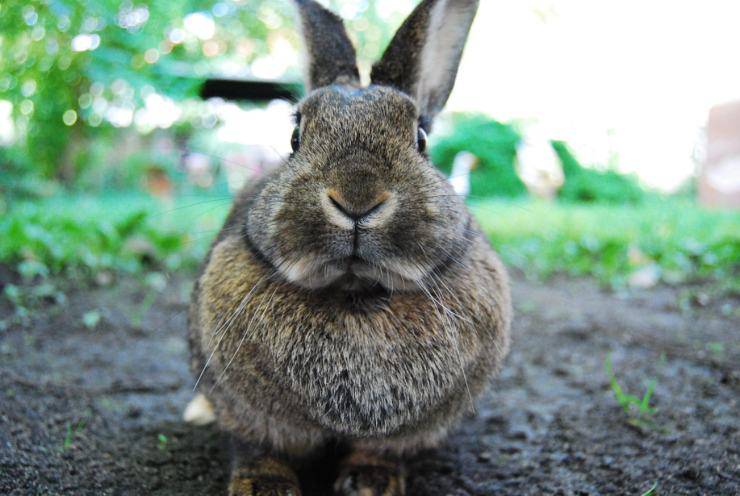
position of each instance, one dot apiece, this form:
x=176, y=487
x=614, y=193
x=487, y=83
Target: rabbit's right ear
x=423, y=56
x=331, y=56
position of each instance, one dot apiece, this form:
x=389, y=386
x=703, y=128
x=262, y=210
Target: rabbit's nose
x=347, y=213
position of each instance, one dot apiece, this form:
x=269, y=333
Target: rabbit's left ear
x=331, y=56
x=423, y=56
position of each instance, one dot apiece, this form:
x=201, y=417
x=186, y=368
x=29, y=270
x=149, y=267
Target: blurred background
x=596, y=139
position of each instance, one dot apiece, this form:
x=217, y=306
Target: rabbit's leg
x=256, y=472
x=364, y=473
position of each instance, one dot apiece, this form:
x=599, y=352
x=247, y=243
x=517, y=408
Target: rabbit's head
x=358, y=202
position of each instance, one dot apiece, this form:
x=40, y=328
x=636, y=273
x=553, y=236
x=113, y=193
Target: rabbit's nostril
x=336, y=201
x=356, y=212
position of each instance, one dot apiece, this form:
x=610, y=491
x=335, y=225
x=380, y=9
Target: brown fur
x=403, y=66
x=385, y=371
x=349, y=296
x=332, y=54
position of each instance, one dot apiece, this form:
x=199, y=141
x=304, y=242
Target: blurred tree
x=589, y=185
x=77, y=69
x=494, y=143
x=70, y=66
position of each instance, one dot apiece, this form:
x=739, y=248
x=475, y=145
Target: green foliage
x=637, y=409
x=494, y=143
x=45, y=77
x=628, y=402
x=651, y=490
x=17, y=181
x=84, y=236
x=70, y=67
x=72, y=431
x=587, y=185
x=74, y=70
x=610, y=242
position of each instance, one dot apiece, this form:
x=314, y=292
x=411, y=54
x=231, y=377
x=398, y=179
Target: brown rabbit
x=350, y=297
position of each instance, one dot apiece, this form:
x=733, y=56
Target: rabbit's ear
x=423, y=56
x=331, y=56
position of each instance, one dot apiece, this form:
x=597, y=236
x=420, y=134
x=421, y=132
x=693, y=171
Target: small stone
x=104, y=278
x=644, y=278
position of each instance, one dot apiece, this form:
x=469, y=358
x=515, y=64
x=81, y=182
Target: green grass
x=638, y=408
x=86, y=235
x=72, y=431
x=651, y=490
x=677, y=240
x=116, y=232
x=162, y=441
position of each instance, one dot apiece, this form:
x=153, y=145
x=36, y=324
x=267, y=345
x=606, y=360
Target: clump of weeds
x=638, y=409
x=72, y=431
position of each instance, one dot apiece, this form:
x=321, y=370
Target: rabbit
x=350, y=298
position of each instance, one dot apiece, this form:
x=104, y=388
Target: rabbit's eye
x=421, y=140
x=295, y=139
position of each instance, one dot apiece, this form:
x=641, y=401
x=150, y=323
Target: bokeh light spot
x=69, y=117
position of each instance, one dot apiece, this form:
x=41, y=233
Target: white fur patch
x=199, y=411
x=310, y=271
x=383, y=213
x=394, y=275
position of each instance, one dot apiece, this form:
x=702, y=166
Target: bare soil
x=98, y=410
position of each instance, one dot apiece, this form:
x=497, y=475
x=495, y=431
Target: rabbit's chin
x=353, y=274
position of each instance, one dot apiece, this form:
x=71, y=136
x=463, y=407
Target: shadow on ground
x=97, y=411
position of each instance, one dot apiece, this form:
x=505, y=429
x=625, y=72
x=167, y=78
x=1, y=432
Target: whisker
x=244, y=336
x=249, y=167
x=238, y=311
x=224, y=199
x=437, y=304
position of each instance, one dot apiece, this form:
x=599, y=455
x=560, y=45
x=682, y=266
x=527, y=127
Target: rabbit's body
x=350, y=297
x=295, y=368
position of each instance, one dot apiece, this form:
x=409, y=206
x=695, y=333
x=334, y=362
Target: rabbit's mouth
x=353, y=273
x=359, y=274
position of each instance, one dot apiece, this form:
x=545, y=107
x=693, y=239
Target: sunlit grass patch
x=671, y=241
x=116, y=232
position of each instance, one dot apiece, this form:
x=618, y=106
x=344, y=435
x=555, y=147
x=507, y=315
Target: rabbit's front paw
x=262, y=486
x=363, y=474
x=266, y=478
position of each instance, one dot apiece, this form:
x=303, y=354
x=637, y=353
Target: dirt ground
x=97, y=410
